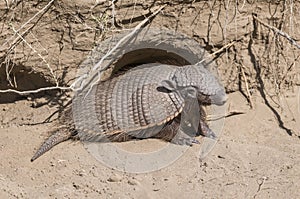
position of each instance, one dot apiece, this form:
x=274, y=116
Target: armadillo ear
x=166, y=86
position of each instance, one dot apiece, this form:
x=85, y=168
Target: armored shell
x=138, y=103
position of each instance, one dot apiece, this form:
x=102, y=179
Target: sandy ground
x=253, y=158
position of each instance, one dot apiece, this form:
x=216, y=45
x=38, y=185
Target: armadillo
x=146, y=101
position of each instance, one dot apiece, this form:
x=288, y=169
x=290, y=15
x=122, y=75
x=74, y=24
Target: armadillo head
x=219, y=98
x=207, y=86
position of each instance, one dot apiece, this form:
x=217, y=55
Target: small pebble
x=132, y=182
x=76, y=186
x=115, y=178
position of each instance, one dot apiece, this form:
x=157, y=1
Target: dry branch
x=44, y=60
x=217, y=52
x=247, y=86
x=113, y=10
x=219, y=117
x=283, y=34
x=96, y=70
x=34, y=91
x=39, y=12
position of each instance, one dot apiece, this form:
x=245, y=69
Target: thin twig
x=48, y=66
x=35, y=91
x=217, y=52
x=27, y=22
x=218, y=117
x=113, y=12
x=96, y=70
x=223, y=48
x=247, y=86
x=18, y=40
x=8, y=71
x=139, y=26
x=285, y=35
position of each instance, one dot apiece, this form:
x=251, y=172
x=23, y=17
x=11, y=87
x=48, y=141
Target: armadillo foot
x=183, y=139
x=206, y=131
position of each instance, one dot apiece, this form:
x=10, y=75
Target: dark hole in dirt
x=22, y=79
x=147, y=55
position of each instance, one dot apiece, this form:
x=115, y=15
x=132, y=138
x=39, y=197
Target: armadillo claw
x=206, y=131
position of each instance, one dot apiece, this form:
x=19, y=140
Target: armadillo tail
x=59, y=136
